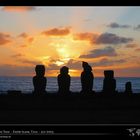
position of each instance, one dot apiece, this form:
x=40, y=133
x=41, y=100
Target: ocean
x=25, y=84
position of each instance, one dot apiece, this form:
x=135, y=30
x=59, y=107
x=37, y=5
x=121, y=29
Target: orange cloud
x=18, y=8
x=131, y=45
x=57, y=32
x=30, y=62
x=30, y=40
x=23, y=46
x=137, y=49
x=91, y=37
x=24, y=35
x=17, y=55
x=27, y=37
x=4, y=38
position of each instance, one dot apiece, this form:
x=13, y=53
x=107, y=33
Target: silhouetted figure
x=128, y=88
x=39, y=81
x=64, y=80
x=87, y=78
x=109, y=83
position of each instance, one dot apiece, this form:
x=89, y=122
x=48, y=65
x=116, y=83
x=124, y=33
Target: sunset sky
x=105, y=37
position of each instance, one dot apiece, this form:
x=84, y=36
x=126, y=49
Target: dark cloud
x=57, y=32
x=116, y=25
x=4, y=38
x=131, y=45
x=104, y=38
x=110, y=38
x=53, y=67
x=108, y=51
x=18, y=8
x=107, y=62
x=73, y=64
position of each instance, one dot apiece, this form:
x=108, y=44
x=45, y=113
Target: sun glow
x=74, y=73
x=63, y=53
x=59, y=63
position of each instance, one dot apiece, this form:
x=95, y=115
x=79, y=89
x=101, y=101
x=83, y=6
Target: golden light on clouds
x=59, y=63
x=67, y=48
x=18, y=8
x=55, y=50
x=74, y=73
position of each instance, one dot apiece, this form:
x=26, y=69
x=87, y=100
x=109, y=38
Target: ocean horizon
x=24, y=83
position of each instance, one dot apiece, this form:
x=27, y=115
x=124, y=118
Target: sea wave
x=25, y=84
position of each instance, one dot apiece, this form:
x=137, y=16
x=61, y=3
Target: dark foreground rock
x=74, y=108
